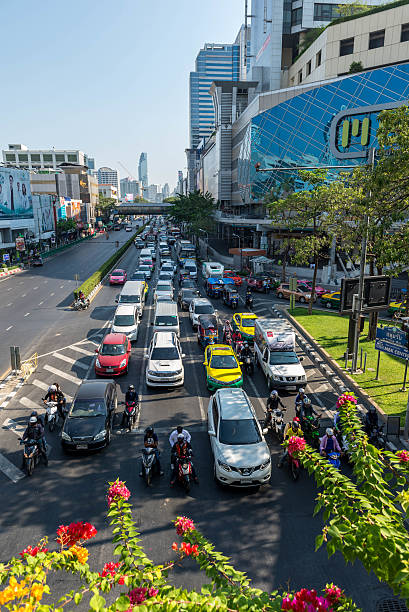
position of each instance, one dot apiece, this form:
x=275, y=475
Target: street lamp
x=241, y=250
x=207, y=240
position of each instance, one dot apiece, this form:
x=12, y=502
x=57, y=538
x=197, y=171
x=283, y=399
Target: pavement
x=268, y=532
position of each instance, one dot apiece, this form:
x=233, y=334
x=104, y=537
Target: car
x=306, y=285
x=241, y=457
x=117, y=227
x=167, y=267
x=146, y=269
x=126, y=321
x=147, y=261
x=139, y=243
x=138, y=275
x=197, y=307
x=113, y=355
x=331, y=300
x=37, y=260
x=165, y=276
x=128, y=228
x=284, y=291
x=233, y=275
x=164, y=251
x=167, y=260
x=244, y=322
x=165, y=366
x=164, y=297
x=118, y=277
x=188, y=284
x=222, y=367
x=185, y=297
x=88, y=425
x=163, y=287
x=396, y=307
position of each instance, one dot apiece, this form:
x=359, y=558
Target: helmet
x=329, y=431
x=181, y=437
x=307, y=401
x=246, y=344
x=33, y=419
x=296, y=420
x=149, y=430
x=131, y=388
x=34, y=414
x=301, y=390
x=52, y=388
x=274, y=393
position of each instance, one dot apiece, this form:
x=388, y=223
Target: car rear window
x=131, y=298
x=239, y=431
x=166, y=320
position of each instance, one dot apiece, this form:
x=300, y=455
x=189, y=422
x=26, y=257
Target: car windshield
x=188, y=295
x=117, y=273
x=144, y=268
x=139, y=275
x=167, y=268
x=166, y=320
x=88, y=408
x=283, y=358
x=190, y=268
x=248, y=322
x=204, y=309
x=188, y=284
x=112, y=349
x=131, y=298
x=165, y=352
x=163, y=287
x=240, y=431
x=124, y=320
x=223, y=362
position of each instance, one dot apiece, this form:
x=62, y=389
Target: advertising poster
x=44, y=212
x=20, y=244
x=61, y=209
x=15, y=194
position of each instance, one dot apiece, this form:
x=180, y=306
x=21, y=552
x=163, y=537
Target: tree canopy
x=195, y=210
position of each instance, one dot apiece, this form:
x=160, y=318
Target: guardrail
x=28, y=366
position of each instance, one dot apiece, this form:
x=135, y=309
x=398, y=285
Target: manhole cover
x=391, y=605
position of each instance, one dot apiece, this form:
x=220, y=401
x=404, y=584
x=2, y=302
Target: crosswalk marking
x=77, y=364
x=40, y=384
x=28, y=403
x=10, y=470
x=14, y=427
x=81, y=350
x=73, y=379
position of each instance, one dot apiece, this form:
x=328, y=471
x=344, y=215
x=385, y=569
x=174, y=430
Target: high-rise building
x=108, y=176
x=20, y=156
x=179, y=185
x=165, y=191
x=243, y=40
x=152, y=192
x=143, y=170
x=129, y=185
x=214, y=61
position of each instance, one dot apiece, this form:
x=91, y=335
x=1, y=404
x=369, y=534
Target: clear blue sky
x=110, y=77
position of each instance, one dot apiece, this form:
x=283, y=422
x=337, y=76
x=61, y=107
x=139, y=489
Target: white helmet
x=274, y=392
x=301, y=390
x=52, y=388
x=33, y=419
x=329, y=431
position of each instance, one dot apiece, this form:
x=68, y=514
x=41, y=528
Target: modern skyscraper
x=214, y=61
x=129, y=185
x=143, y=170
x=108, y=176
x=165, y=191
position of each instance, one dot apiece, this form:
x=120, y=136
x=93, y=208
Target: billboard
x=129, y=197
x=15, y=194
x=44, y=212
x=376, y=293
x=61, y=209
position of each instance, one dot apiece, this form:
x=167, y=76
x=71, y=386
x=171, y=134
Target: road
x=34, y=303
x=268, y=533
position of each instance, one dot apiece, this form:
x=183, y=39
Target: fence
x=29, y=366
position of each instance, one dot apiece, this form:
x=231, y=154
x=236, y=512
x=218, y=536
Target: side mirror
x=265, y=431
x=116, y=300
x=146, y=356
x=151, y=322
x=212, y=433
x=301, y=358
x=183, y=355
x=97, y=350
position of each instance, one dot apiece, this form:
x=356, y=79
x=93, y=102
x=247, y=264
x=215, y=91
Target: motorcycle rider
x=291, y=429
x=371, y=420
x=150, y=440
x=130, y=397
x=329, y=443
x=82, y=298
x=182, y=448
x=273, y=402
x=54, y=394
x=299, y=401
x=174, y=435
x=307, y=410
x=35, y=431
x=249, y=296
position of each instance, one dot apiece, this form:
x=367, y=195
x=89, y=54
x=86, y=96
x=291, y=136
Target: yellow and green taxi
x=146, y=286
x=331, y=300
x=222, y=367
x=395, y=307
x=244, y=322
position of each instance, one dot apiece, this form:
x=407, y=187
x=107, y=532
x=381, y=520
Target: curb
x=12, y=393
x=2, y=274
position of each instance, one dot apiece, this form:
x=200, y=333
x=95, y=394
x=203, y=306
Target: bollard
x=360, y=362
x=18, y=358
x=13, y=358
x=366, y=355
x=346, y=359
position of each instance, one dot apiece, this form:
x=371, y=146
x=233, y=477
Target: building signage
x=393, y=341
x=15, y=194
x=6, y=257
x=20, y=244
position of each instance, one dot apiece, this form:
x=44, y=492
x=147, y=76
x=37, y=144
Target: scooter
x=334, y=459
x=81, y=304
x=149, y=465
x=184, y=472
x=130, y=412
x=377, y=437
x=276, y=423
x=51, y=416
x=31, y=455
x=248, y=365
x=311, y=431
x=249, y=300
x=294, y=466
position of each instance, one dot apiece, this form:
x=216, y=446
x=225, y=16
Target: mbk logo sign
x=351, y=130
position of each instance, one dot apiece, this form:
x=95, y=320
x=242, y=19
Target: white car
x=163, y=288
x=197, y=307
x=165, y=366
x=240, y=452
x=126, y=321
x=128, y=228
x=167, y=267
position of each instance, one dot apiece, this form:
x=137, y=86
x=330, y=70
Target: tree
x=355, y=67
x=171, y=199
x=106, y=203
x=308, y=38
x=354, y=8
x=66, y=225
x=195, y=210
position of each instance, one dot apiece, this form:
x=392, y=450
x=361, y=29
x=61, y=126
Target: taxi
x=244, y=322
x=222, y=367
x=331, y=300
x=396, y=307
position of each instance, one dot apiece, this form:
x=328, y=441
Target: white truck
x=274, y=348
x=212, y=269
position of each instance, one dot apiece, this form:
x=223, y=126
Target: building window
x=325, y=12
x=346, y=46
x=318, y=59
x=300, y=76
x=59, y=158
x=10, y=157
x=296, y=16
x=71, y=157
x=47, y=157
x=35, y=157
x=23, y=157
x=404, y=33
x=376, y=39
x=308, y=68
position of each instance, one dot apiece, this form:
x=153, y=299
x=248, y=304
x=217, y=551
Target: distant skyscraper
x=165, y=191
x=129, y=185
x=214, y=61
x=179, y=186
x=108, y=176
x=152, y=192
x=143, y=170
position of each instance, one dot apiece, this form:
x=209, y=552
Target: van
x=190, y=266
x=166, y=318
x=212, y=269
x=145, y=253
x=126, y=321
x=274, y=350
x=133, y=292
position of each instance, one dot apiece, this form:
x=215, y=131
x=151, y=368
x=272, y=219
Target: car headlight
x=97, y=363
x=176, y=372
x=65, y=436
x=151, y=372
x=264, y=465
x=123, y=363
x=101, y=435
x=224, y=466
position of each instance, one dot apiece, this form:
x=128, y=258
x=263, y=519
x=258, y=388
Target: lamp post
x=241, y=251
x=207, y=240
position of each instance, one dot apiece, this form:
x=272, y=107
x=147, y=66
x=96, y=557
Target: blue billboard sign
x=393, y=341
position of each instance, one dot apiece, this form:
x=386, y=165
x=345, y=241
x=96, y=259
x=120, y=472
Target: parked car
x=113, y=355
x=88, y=425
x=240, y=452
x=284, y=291
x=165, y=367
x=118, y=277
x=331, y=300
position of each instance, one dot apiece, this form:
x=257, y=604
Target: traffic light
x=257, y=166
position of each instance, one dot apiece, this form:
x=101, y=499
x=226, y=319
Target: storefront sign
x=20, y=244
x=6, y=257
x=393, y=341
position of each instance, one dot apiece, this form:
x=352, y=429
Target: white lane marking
x=10, y=288
x=19, y=430
x=70, y=361
x=10, y=470
x=11, y=304
x=44, y=387
x=27, y=314
x=143, y=367
x=91, y=342
x=24, y=295
x=80, y=350
x=52, y=293
x=8, y=329
x=34, y=288
x=57, y=372
x=21, y=282
x=28, y=403
x=45, y=282
x=188, y=340
x=40, y=303
x=61, y=286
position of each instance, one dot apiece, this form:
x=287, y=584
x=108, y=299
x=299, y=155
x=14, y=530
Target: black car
x=88, y=425
x=189, y=284
x=185, y=296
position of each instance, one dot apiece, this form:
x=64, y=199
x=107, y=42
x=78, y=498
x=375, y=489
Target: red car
x=117, y=277
x=234, y=276
x=113, y=355
x=306, y=285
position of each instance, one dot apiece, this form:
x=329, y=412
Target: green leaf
x=77, y=598
x=97, y=602
x=122, y=603
x=331, y=548
x=319, y=541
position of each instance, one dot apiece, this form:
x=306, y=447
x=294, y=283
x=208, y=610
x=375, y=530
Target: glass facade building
x=143, y=170
x=213, y=62
x=329, y=125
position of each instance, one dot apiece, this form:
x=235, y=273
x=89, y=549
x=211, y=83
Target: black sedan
x=88, y=425
x=189, y=284
x=185, y=296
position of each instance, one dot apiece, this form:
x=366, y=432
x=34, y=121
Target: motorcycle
x=377, y=437
x=130, y=412
x=31, y=455
x=184, y=472
x=249, y=301
x=149, y=465
x=276, y=423
x=248, y=365
x=51, y=416
x=311, y=431
x=81, y=304
x=294, y=466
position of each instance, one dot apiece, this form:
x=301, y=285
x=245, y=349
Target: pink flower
x=403, y=456
x=117, y=491
x=346, y=397
x=33, y=551
x=295, y=444
x=183, y=525
x=137, y=596
x=333, y=593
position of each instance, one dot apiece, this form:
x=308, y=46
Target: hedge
x=94, y=280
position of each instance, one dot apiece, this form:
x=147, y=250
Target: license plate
x=82, y=446
x=109, y=369
x=244, y=481
x=291, y=387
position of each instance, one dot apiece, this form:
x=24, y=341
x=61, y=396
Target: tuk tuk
x=213, y=287
x=207, y=332
x=230, y=296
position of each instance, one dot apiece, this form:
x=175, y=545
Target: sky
x=110, y=78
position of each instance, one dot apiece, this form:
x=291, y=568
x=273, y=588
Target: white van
x=212, y=269
x=190, y=266
x=133, y=292
x=274, y=350
x=126, y=321
x=166, y=318
x=145, y=253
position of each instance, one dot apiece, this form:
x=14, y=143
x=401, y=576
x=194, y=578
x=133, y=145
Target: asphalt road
x=269, y=532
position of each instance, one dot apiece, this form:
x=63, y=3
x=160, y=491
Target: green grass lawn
x=331, y=331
